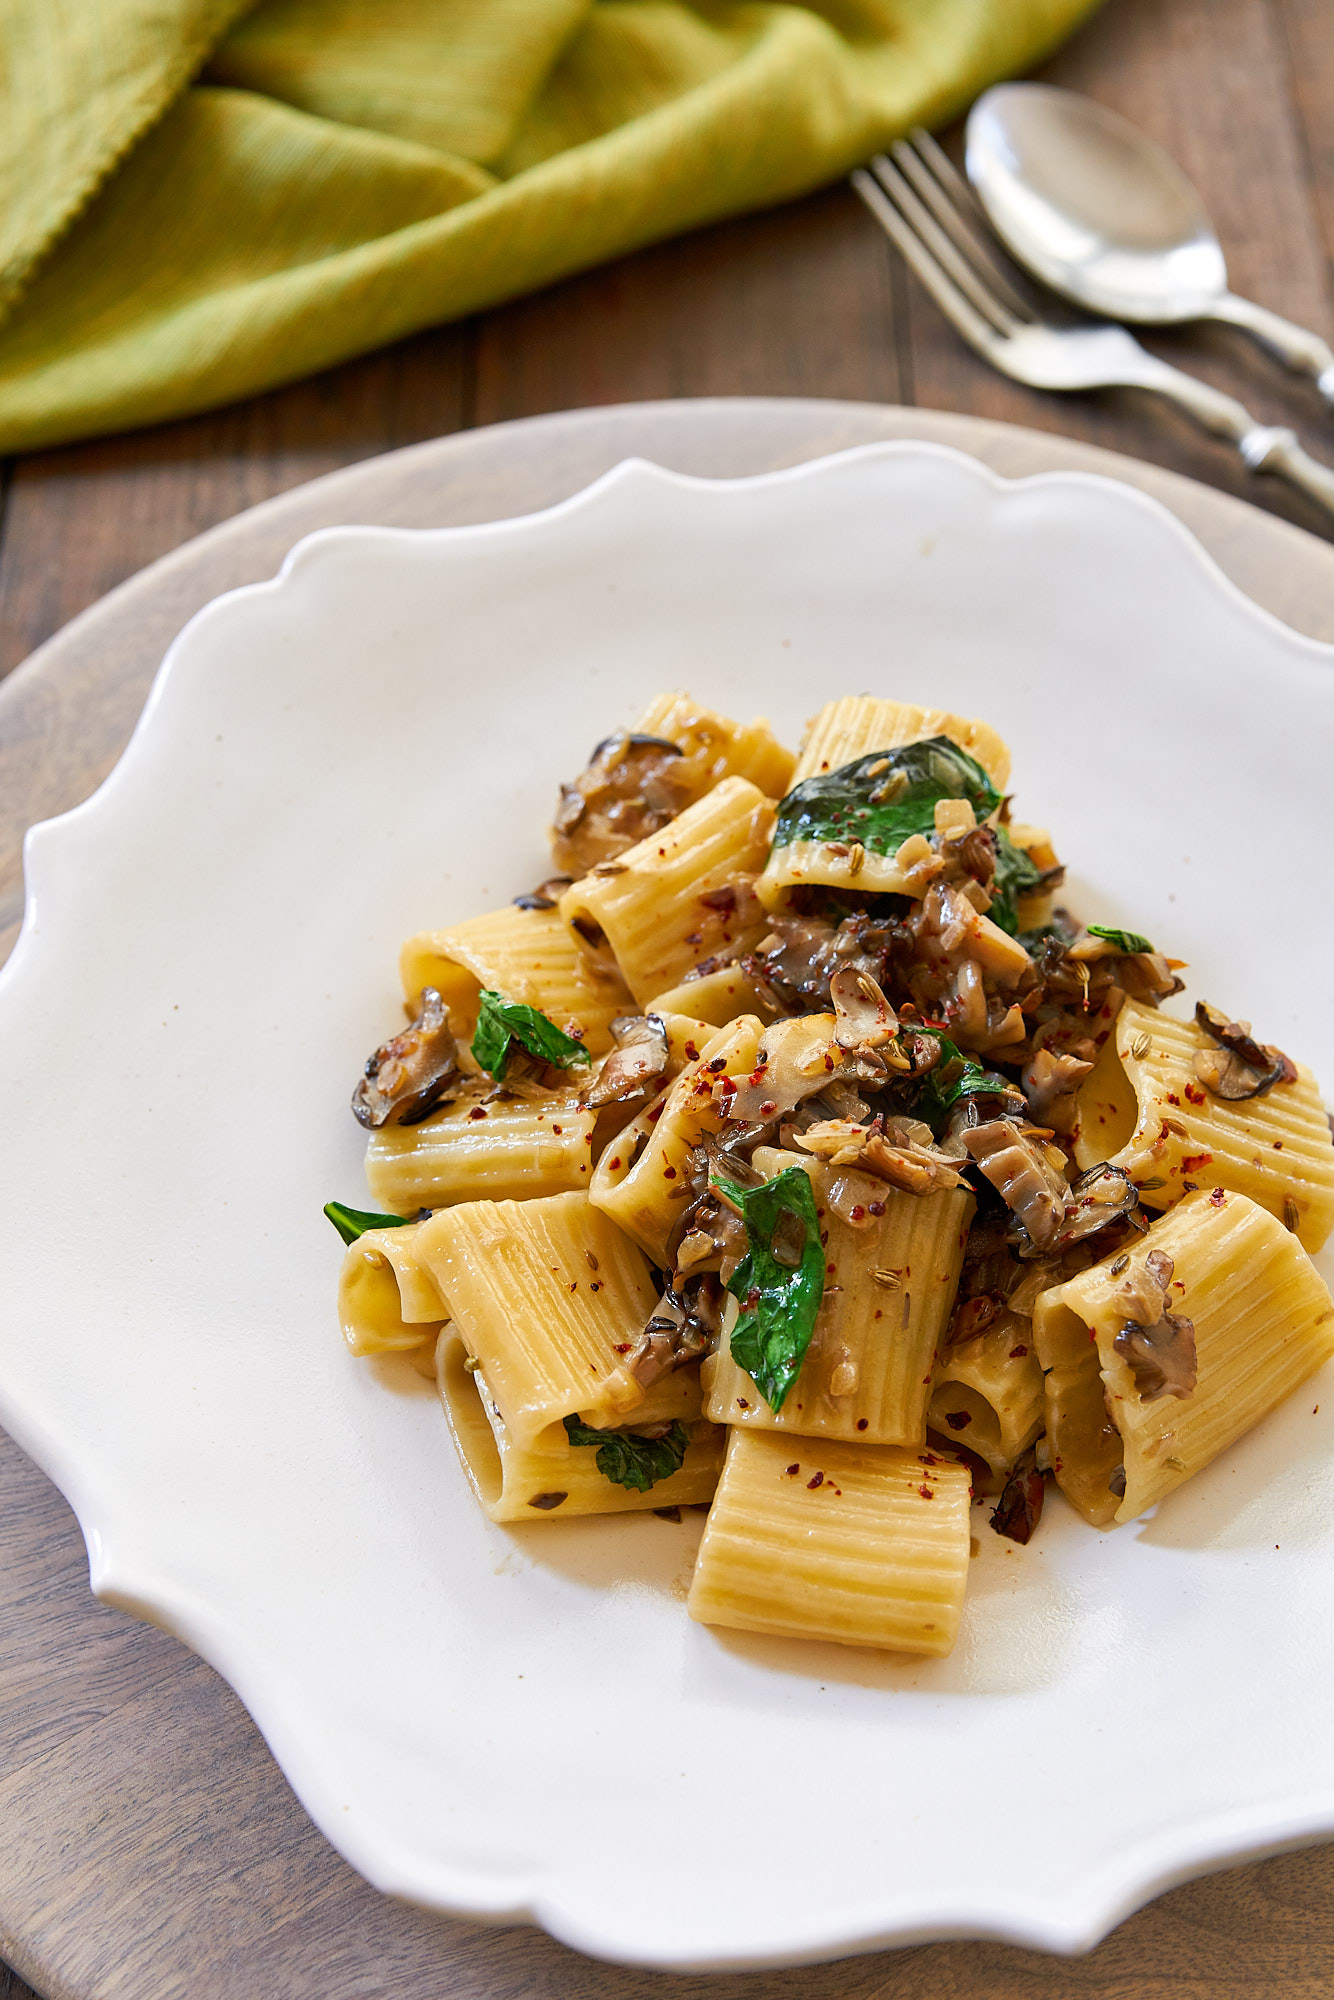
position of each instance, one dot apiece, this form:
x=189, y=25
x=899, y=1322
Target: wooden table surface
x=807, y=301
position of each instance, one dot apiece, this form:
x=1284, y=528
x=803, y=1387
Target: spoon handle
x=1269, y=448
x=1298, y=348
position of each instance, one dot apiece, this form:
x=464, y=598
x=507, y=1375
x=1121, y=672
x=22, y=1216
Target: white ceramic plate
x=524, y=1723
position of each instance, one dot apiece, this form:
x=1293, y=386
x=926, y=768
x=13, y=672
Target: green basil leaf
x=779, y=1302
x=501, y=1022
x=629, y=1458
x=1126, y=941
x=1017, y=874
x=354, y=1222
x=882, y=798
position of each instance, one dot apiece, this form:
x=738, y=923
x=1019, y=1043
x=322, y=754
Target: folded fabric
x=202, y=198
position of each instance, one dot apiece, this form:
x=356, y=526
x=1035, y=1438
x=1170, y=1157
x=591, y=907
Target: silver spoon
x=1104, y=217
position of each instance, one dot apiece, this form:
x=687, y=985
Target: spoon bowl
x=1105, y=217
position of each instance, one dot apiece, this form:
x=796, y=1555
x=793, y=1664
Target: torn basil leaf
x=354, y=1222
x=779, y=1300
x=502, y=1022
x=882, y=798
x=1126, y=941
x=1017, y=874
x=631, y=1458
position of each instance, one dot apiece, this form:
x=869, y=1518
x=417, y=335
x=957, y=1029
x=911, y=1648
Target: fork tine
x=956, y=307
x=929, y=231
x=958, y=211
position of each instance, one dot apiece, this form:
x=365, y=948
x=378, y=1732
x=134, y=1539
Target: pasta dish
x=794, y=1152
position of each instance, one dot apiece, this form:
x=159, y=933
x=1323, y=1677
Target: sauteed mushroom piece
x=628, y=791
x=1239, y=1067
x=406, y=1078
x=640, y=1056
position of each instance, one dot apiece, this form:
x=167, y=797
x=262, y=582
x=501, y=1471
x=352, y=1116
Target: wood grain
x=150, y=1847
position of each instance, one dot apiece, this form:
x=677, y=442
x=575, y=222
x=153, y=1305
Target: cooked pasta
x=793, y=1152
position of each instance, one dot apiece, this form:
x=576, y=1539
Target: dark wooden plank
x=77, y=521
x=1309, y=26
x=1212, y=81
x=784, y=304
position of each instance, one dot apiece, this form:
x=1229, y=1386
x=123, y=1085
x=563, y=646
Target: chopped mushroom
x=1017, y=1166
x=1102, y=1195
x=641, y=1056
x=795, y=1060
x=406, y=1078
x=1159, y=1346
x=863, y=1018
x=1162, y=1357
x=1050, y=1082
x=1239, y=1067
x=1019, y=1508
x=897, y=1150
x=669, y=1341
x=629, y=790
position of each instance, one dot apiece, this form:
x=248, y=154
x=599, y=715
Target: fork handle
x=1296, y=346
x=1269, y=448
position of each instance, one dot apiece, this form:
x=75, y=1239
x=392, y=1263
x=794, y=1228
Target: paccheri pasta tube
x=792, y=1150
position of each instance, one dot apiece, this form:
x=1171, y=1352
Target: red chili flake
x=817, y=1480
x=1018, y=1353
x=1194, y=1095
x=757, y=1076
x=694, y=937
x=958, y=1420
x=656, y=1111
x=927, y=1492
x=1278, y=1145
x=927, y=1458
x=662, y=850
x=875, y=1208
x=1172, y=1098
x=878, y=1313
x=729, y=1086
x=557, y=1129
x=617, y=1161
x=718, y=1063
x=858, y=1212
x=768, y=1108
x=478, y=1111
x=669, y=1173
x=574, y=1285
x=621, y=1346
x=1189, y=1187
x=1217, y=1198
x=595, y=1286
x=692, y=1053
x=1093, y=1339
x=862, y=1423
x=824, y=1239
x=1192, y=1162
x=741, y=1403
x=792, y=1471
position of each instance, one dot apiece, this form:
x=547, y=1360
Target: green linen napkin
x=200, y=199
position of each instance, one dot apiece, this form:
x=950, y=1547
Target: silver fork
x=925, y=205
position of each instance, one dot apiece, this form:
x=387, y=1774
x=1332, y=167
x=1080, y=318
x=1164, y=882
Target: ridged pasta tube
x=532, y=957
x=994, y=1384
x=387, y=1300
x=504, y=1149
x=1263, y=1321
x=652, y=903
x=858, y=724
x=1144, y=1109
x=889, y=1292
x=863, y=1544
x=641, y=1181
x=713, y=747
x=548, y=1296
x=545, y=1477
